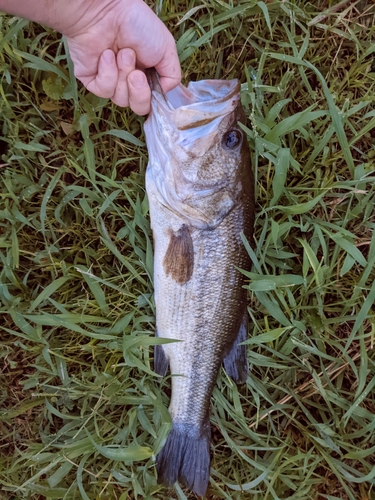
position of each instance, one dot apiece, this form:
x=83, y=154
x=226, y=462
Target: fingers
x=132, y=87
x=126, y=64
x=104, y=83
x=139, y=93
x=169, y=68
x=118, y=79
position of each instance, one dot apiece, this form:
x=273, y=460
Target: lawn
x=82, y=414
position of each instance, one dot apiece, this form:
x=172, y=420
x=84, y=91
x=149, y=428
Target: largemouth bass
x=200, y=189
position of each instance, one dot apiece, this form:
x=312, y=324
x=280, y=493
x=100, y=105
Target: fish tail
x=185, y=458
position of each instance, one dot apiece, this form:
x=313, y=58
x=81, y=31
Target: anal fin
x=235, y=362
x=161, y=362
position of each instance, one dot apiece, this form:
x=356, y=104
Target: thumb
x=139, y=92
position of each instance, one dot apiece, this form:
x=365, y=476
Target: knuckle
x=99, y=91
x=127, y=56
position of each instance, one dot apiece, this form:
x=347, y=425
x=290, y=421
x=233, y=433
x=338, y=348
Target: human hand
x=111, y=41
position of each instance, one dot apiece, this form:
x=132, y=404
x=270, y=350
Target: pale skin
x=110, y=42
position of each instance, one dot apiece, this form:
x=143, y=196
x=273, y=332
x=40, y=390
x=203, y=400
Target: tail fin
x=185, y=458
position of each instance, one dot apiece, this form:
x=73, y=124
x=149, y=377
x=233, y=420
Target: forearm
x=61, y=15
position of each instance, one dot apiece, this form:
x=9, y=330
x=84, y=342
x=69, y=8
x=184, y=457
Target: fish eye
x=232, y=139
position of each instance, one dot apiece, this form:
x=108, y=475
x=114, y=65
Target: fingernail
x=108, y=56
x=137, y=79
x=127, y=57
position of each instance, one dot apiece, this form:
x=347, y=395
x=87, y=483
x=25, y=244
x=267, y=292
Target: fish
x=200, y=189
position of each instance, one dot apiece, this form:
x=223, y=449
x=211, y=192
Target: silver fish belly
x=200, y=188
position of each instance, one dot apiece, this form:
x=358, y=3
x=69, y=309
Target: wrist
x=71, y=17
x=62, y=15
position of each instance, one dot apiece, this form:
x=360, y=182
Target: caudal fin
x=185, y=458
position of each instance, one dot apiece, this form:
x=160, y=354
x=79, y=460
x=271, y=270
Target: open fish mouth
x=197, y=105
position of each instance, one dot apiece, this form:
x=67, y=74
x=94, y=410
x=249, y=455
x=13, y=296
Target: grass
x=81, y=412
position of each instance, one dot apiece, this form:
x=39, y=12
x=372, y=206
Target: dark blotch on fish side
x=179, y=259
x=185, y=457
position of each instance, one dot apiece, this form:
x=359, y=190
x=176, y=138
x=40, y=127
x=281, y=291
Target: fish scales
x=200, y=189
x=207, y=310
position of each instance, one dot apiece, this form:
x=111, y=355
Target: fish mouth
x=181, y=129
x=198, y=104
x=154, y=82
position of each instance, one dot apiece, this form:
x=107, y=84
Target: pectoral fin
x=235, y=362
x=179, y=259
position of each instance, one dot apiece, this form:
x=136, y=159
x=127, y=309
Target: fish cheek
x=179, y=258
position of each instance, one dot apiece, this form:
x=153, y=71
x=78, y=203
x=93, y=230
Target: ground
x=81, y=412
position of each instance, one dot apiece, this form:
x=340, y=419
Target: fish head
x=197, y=151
